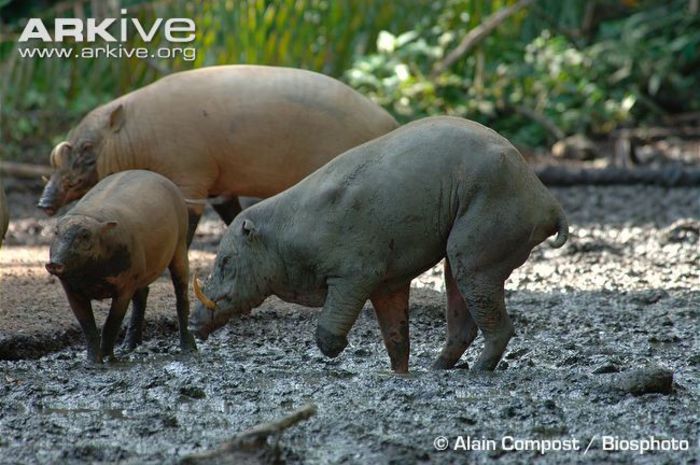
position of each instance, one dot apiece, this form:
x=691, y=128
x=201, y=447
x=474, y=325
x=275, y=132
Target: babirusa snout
x=55, y=268
x=51, y=198
x=206, y=301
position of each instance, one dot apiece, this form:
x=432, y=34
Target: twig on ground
x=246, y=446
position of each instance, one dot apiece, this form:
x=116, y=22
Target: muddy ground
x=623, y=294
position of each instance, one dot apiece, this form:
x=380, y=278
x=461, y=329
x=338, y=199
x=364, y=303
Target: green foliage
x=42, y=98
x=655, y=52
x=635, y=69
x=635, y=66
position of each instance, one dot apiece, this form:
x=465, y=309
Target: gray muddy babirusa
x=112, y=244
x=367, y=223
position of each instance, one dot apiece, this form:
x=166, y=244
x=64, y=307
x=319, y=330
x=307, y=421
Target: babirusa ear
x=248, y=228
x=116, y=118
x=108, y=226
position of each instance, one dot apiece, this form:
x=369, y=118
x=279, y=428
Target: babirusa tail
x=562, y=230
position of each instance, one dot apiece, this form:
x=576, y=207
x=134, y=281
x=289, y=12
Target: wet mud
x=606, y=344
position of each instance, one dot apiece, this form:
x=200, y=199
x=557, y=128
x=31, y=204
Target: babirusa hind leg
x=480, y=272
x=461, y=327
x=392, y=315
x=134, y=335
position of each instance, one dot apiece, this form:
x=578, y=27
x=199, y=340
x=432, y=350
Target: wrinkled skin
x=364, y=225
x=4, y=214
x=112, y=244
x=223, y=131
x=235, y=286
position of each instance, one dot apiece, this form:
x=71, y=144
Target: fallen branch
x=667, y=177
x=655, y=133
x=674, y=120
x=246, y=446
x=479, y=33
x=24, y=170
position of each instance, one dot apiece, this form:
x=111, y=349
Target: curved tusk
x=45, y=179
x=206, y=301
x=58, y=154
x=52, y=159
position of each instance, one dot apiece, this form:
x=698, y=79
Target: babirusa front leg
x=194, y=213
x=113, y=324
x=134, y=335
x=82, y=309
x=227, y=210
x=179, y=272
x=344, y=302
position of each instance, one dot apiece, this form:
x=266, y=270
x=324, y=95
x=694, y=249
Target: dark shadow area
x=35, y=318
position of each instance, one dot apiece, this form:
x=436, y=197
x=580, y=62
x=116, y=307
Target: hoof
x=400, y=370
x=130, y=345
x=441, y=364
x=188, y=344
x=483, y=367
x=94, y=358
x=399, y=365
x=330, y=344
